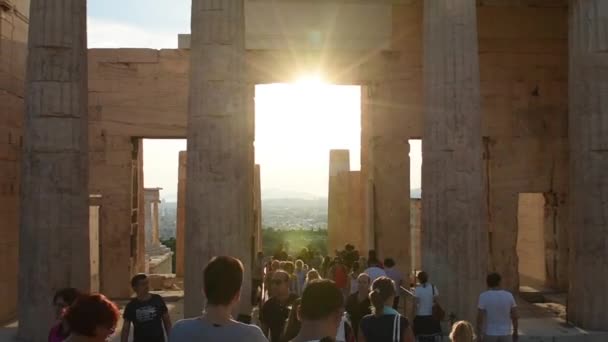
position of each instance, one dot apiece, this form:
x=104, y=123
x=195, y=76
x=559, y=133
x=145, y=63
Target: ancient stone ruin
x=508, y=97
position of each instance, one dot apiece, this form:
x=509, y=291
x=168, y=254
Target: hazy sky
x=296, y=125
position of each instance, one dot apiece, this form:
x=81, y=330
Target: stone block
x=497, y=22
x=160, y=282
x=138, y=56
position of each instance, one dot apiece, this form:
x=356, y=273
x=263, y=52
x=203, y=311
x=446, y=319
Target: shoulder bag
x=438, y=312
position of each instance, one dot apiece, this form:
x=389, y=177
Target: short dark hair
x=136, y=278
x=389, y=262
x=320, y=299
x=423, y=277
x=90, y=311
x=286, y=275
x=493, y=280
x=222, y=279
x=69, y=295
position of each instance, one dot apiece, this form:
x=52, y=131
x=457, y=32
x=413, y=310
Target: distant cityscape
x=292, y=212
x=282, y=214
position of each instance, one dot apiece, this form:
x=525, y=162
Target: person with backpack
x=385, y=324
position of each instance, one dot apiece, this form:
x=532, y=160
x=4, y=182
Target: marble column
x=356, y=211
x=337, y=207
x=141, y=211
x=155, y=224
x=390, y=174
x=181, y=215
x=219, y=209
x=149, y=217
x=391, y=178
x=454, y=234
x=588, y=133
x=54, y=235
x=257, y=207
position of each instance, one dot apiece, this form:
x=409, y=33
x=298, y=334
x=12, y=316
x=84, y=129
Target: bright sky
x=296, y=125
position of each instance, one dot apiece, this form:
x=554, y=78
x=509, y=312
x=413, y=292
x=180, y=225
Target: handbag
x=397, y=329
x=438, y=312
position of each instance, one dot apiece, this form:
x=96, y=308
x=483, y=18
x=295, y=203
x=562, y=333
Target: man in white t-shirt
x=497, y=318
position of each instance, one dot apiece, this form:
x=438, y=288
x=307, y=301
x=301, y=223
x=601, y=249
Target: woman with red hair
x=92, y=318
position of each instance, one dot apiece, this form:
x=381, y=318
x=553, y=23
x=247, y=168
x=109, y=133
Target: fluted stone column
x=149, y=217
x=181, y=215
x=54, y=230
x=337, y=207
x=391, y=216
x=257, y=207
x=219, y=210
x=155, y=224
x=390, y=174
x=588, y=133
x=454, y=234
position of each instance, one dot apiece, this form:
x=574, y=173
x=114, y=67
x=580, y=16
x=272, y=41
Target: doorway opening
x=416, y=203
x=531, y=247
x=159, y=196
x=296, y=127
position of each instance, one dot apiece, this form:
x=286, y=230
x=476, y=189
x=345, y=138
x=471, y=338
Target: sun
x=310, y=82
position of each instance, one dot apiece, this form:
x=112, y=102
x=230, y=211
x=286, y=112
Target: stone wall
x=524, y=101
x=143, y=93
x=524, y=111
x=531, y=240
x=13, y=41
x=132, y=93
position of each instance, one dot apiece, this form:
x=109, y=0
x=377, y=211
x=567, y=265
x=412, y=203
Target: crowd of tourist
x=308, y=298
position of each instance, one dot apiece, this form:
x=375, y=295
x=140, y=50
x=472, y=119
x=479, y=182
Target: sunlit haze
x=296, y=125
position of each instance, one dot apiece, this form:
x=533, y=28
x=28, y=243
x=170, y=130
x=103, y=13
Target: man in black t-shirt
x=276, y=310
x=147, y=312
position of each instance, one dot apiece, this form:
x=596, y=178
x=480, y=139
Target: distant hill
x=295, y=203
x=294, y=213
x=283, y=194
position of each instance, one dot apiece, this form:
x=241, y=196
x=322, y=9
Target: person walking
x=358, y=304
x=290, y=268
x=393, y=272
x=257, y=277
x=300, y=275
x=62, y=300
x=275, y=265
x=462, y=332
x=310, y=276
x=92, y=318
x=385, y=324
x=425, y=325
x=222, y=281
x=340, y=276
x=325, y=267
x=320, y=312
x=497, y=316
x=147, y=312
x=374, y=271
x=352, y=278
x=276, y=310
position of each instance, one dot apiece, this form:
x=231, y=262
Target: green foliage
x=294, y=240
x=171, y=243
